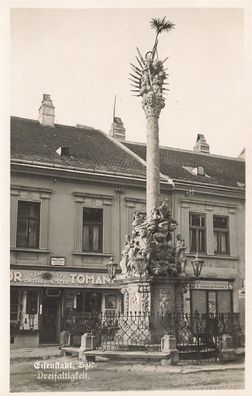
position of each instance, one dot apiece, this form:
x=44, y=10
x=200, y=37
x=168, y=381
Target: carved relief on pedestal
x=134, y=302
x=164, y=302
x=125, y=293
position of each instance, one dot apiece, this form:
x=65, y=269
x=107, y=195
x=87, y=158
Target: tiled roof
x=223, y=171
x=89, y=148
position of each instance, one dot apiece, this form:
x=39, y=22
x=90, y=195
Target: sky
x=82, y=58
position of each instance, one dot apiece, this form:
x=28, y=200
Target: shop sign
x=58, y=278
x=211, y=285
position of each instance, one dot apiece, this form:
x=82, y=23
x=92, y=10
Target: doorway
x=49, y=319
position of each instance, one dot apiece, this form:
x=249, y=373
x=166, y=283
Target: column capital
x=153, y=104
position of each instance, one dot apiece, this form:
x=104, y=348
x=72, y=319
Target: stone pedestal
x=169, y=345
x=87, y=341
x=134, y=324
x=87, y=344
x=137, y=296
x=165, y=300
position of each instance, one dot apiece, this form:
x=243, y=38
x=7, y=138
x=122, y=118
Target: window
x=92, y=230
x=197, y=233
x=221, y=235
x=28, y=223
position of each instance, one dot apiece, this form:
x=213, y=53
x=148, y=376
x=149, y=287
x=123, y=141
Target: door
x=49, y=320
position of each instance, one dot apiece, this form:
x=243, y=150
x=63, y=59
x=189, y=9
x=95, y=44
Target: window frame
x=91, y=225
x=198, y=229
x=224, y=231
x=28, y=219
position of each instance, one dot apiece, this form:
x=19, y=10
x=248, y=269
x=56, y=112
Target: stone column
x=152, y=105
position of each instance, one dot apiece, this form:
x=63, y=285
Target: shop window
x=92, y=230
x=93, y=301
x=32, y=302
x=110, y=301
x=199, y=301
x=197, y=233
x=73, y=301
x=69, y=302
x=221, y=234
x=79, y=301
x=28, y=223
x=211, y=301
x=14, y=301
x=212, y=307
x=110, y=305
x=224, y=301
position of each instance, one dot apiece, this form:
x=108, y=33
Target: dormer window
x=196, y=171
x=63, y=150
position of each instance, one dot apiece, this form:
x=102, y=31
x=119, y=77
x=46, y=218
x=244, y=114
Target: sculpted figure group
x=153, y=76
x=151, y=242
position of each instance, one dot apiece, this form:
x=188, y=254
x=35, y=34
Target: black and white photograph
x=128, y=140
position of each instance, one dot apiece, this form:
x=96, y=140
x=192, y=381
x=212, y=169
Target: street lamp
x=197, y=265
x=111, y=268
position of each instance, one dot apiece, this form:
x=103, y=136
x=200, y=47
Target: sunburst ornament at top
x=149, y=75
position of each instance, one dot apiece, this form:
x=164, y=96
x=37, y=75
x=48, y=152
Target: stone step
x=127, y=355
x=70, y=351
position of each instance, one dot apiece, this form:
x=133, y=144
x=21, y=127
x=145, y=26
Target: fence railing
x=132, y=330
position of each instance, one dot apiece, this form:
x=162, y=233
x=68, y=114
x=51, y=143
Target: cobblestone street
x=70, y=374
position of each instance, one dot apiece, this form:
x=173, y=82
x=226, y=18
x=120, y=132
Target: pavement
x=52, y=352
x=41, y=352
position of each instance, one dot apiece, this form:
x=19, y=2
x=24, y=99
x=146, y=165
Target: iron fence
x=198, y=335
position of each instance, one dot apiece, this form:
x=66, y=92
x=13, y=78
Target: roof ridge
x=24, y=118
x=137, y=157
x=189, y=151
x=83, y=127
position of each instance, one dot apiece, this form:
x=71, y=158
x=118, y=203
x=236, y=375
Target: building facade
x=74, y=192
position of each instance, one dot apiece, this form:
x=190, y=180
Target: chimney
x=117, y=129
x=47, y=111
x=201, y=145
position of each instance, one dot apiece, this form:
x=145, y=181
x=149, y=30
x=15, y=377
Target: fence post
x=169, y=347
x=87, y=344
x=64, y=338
x=227, y=352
